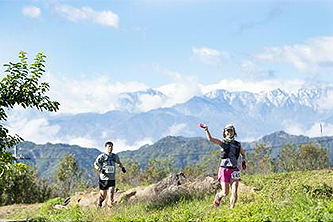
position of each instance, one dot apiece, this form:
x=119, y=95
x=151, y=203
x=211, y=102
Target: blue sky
x=135, y=40
x=99, y=49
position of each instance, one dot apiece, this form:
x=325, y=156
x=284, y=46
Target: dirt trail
x=12, y=210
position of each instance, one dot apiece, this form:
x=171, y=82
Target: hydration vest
x=108, y=164
x=230, y=153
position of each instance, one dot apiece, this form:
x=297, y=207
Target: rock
x=172, y=180
x=58, y=206
x=169, y=189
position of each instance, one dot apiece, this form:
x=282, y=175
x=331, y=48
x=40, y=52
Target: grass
x=293, y=196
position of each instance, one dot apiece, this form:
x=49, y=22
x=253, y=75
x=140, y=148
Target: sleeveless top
x=230, y=153
x=107, y=164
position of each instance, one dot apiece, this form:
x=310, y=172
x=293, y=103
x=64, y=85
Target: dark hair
x=109, y=143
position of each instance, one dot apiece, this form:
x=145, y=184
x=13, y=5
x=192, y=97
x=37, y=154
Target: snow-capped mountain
x=253, y=114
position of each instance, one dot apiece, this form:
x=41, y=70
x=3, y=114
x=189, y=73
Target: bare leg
x=234, y=192
x=225, y=189
x=223, y=193
x=111, y=195
x=102, y=196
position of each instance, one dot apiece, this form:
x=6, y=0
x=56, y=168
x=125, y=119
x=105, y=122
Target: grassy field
x=294, y=196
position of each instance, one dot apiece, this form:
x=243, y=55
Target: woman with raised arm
x=229, y=174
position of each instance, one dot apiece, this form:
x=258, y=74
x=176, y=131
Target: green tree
x=261, y=160
x=21, y=87
x=209, y=164
x=21, y=184
x=157, y=169
x=287, y=159
x=312, y=157
x=67, y=176
x=133, y=177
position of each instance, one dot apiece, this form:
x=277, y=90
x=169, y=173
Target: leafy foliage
x=21, y=86
x=21, y=184
x=68, y=177
x=312, y=156
x=260, y=161
x=309, y=156
x=156, y=170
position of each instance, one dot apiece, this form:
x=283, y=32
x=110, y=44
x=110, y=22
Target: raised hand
x=202, y=125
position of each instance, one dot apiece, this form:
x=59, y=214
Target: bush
x=21, y=184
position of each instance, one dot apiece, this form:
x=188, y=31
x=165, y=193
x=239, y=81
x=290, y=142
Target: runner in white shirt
x=105, y=164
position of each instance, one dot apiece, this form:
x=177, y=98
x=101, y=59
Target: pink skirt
x=224, y=174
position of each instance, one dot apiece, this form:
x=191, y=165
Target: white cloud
x=101, y=95
x=254, y=71
x=122, y=145
x=149, y=102
x=293, y=128
x=89, y=95
x=304, y=57
x=32, y=125
x=31, y=11
x=183, y=88
x=81, y=141
x=176, y=129
x=326, y=103
x=83, y=14
x=209, y=56
x=314, y=131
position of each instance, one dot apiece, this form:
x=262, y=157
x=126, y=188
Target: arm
x=120, y=164
x=242, y=153
x=97, y=165
x=209, y=137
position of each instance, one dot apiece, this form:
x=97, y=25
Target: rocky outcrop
x=170, y=188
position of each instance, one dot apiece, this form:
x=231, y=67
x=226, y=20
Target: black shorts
x=106, y=184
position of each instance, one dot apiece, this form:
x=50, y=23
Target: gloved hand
x=243, y=165
x=123, y=169
x=102, y=171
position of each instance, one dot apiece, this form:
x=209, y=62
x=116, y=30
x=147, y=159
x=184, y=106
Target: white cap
x=229, y=126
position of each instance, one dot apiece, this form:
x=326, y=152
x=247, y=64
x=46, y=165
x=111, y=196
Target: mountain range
x=182, y=151
x=253, y=114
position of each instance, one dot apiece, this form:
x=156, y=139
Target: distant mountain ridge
x=181, y=150
x=47, y=157
x=253, y=114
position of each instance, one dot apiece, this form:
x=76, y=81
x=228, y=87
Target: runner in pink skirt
x=229, y=174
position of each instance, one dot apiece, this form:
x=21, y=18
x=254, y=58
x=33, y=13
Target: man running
x=105, y=164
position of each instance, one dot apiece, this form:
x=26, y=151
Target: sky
x=98, y=49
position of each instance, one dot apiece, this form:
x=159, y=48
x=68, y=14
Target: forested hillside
x=178, y=151
x=46, y=157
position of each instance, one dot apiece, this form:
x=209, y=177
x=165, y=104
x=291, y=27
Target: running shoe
x=217, y=201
